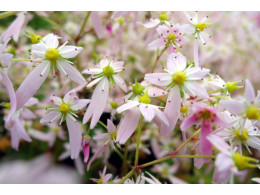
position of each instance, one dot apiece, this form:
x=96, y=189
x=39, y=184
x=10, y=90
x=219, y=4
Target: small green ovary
x=137, y=88
x=108, y=71
x=64, y=108
x=252, y=113
x=201, y=26
x=52, y=54
x=178, y=78
x=163, y=17
x=145, y=98
x=243, y=136
x=171, y=37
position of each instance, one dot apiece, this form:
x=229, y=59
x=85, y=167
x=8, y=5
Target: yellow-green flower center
x=137, y=89
x=178, y=78
x=113, y=135
x=206, y=114
x=184, y=109
x=243, y=162
x=52, y=54
x=163, y=17
x=145, y=98
x=252, y=113
x=108, y=71
x=171, y=37
x=100, y=181
x=34, y=38
x=64, y=108
x=243, y=136
x=201, y=26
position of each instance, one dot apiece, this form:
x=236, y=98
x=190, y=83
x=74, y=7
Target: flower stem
x=139, y=128
x=127, y=176
x=125, y=157
x=7, y=14
x=78, y=37
x=158, y=58
x=21, y=60
x=173, y=156
x=101, y=123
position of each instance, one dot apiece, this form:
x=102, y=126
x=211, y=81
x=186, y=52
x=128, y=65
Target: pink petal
x=82, y=103
x=92, y=71
x=194, y=89
x=172, y=111
x=98, y=103
x=205, y=145
x=39, y=49
x=157, y=43
x=218, y=143
x=117, y=14
x=27, y=114
x=56, y=100
x=127, y=125
x=152, y=23
x=6, y=59
x=161, y=116
x=196, y=53
x=70, y=71
x=127, y=106
x=196, y=73
x=249, y=92
x=50, y=117
x=75, y=136
x=97, y=24
x=160, y=79
x=3, y=46
x=188, y=122
x=32, y=83
x=96, y=155
x=233, y=106
x=110, y=126
x=188, y=29
x=162, y=30
x=11, y=93
x=147, y=111
x=120, y=82
x=155, y=92
x=69, y=51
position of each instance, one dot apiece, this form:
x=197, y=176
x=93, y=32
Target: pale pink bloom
x=54, y=58
x=97, y=24
x=196, y=28
x=248, y=108
x=207, y=116
x=104, y=178
x=85, y=148
x=130, y=120
x=65, y=109
x=107, y=139
x=49, y=137
x=182, y=82
x=15, y=28
x=106, y=72
x=5, y=61
x=40, y=170
x=240, y=132
x=77, y=161
x=225, y=167
x=169, y=36
x=16, y=126
x=118, y=14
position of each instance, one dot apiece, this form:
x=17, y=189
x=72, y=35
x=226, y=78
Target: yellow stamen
x=64, y=108
x=252, y=113
x=178, y=78
x=52, y=54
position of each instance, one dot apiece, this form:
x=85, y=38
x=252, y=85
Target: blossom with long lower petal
x=248, y=108
x=107, y=139
x=5, y=61
x=207, y=116
x=53, y=57
x=229, y=162
x=130, y=120
x=65, y=110
x=181, y=81
x=103, y=74
x=171, y=37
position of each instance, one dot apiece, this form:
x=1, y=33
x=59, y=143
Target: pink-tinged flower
x=106, y=72
x=54, y=58
x=97, y=24
x=15, y=28
x=15, y=124
x=181, y=81
x=229, y=162
x=130, y=120
x=240, y=132
x=107, y=139
x=103, y=177
x=171, y=37
x=5, y=61
x=118, y=14
x=249, y=108
x=154, y=22
x=65, y=109
x=49, y=137
x=207, y=116
x=197, y=29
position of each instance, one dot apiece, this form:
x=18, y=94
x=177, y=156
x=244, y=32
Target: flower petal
x=196, y=73
x=127, y=106
x=6, y=59
x=160, y=79
x=97, y=24
x=157, y=43
x=110, y=126
x=194, y=89
x=147, y=111
x=51, y=40
x=69, y=51
x=50, y=117
x=249, y=92
x=120, y=82
x=96, y=155
x=233, y=106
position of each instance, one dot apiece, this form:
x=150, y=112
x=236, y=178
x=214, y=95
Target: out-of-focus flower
x=105, y=72
x=5, y=61
x=171, y=37
x=130, y=121
x=181, y=81
x=65, y=109
x=248, y=108
x=228, y=163
x=53, y=57
x=97, y=24
x=104, y=178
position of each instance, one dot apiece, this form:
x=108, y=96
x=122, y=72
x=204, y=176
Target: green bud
x=34, y=38
x=232, y=86
x=243, y=162
x=137, y=88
